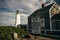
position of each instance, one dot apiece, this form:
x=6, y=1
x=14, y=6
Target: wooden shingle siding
x=47, y=21
x=54, y=10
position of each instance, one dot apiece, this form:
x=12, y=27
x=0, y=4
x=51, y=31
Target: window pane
x=42, y=23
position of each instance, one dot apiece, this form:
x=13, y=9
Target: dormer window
x=55, y=11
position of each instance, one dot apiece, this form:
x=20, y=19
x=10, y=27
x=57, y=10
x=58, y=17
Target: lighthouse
x=17, y=20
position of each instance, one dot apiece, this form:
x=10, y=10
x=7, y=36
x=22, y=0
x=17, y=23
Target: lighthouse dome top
x=17, y=12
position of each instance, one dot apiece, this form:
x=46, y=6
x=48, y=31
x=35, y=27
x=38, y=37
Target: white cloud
x=22, y=4
x=25, y=6
x=43, y=1
x=24, y=18
x=8, y=18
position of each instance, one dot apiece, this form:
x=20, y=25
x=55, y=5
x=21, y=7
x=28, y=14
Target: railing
x=49, y=30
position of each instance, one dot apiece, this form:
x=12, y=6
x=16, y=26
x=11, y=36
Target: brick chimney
x=43, y=5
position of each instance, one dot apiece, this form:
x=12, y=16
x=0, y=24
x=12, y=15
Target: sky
x=8, y=10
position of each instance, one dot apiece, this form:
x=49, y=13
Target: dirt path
x=38, y=38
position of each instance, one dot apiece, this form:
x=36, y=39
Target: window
x=35, y=19
x=56, y=24
x=55, y=11
x=42, y=22
x=53, y=25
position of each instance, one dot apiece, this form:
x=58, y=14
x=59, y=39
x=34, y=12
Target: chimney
x=43, y=5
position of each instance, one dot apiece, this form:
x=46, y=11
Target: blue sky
x=8, y=9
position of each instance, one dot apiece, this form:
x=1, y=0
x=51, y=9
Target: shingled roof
x=43, y=9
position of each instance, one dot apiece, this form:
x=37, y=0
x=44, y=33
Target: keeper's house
x=45, y=20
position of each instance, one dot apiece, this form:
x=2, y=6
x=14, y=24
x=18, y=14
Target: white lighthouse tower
x=17, y=20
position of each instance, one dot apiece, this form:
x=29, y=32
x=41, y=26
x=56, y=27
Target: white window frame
x=43, y=22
